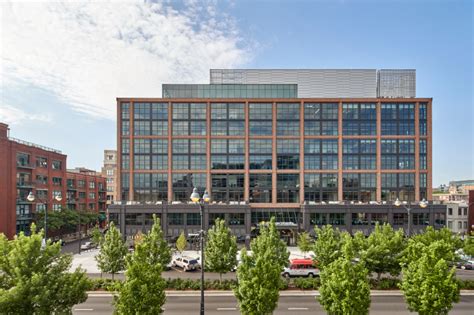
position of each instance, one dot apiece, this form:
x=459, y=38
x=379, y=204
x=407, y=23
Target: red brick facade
x=25, y=168
x=86, y=190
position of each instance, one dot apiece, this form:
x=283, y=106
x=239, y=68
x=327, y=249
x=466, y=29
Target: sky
x=62, y=65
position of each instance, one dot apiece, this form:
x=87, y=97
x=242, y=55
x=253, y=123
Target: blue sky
x=63, y=65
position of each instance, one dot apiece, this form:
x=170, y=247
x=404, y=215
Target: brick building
x=27, y=167
x=109, y=171
x=86, y=190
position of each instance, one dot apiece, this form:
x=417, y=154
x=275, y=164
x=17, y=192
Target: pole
x=409, y=220
x=45, y=224
x=80, y=235
x=201, y=208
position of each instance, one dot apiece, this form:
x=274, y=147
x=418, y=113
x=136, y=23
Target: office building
x=262, y=150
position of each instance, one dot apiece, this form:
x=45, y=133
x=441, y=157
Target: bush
x=105, y=284
x=467, y=284
x=384, y=284
x=307, y=283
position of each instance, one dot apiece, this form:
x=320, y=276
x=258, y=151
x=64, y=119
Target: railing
x=24, y=165
x=34, y=145
x=24, y=183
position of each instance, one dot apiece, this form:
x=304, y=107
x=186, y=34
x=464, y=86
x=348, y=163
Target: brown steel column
x=118, y=170
x=379, y=152
x=170, y=152
x=302, y=152
x=274, y=154
x=417, y=152
x=208, y=148
x=429, y=156
x=340, y=195
x=131, y=167
x=247, y=154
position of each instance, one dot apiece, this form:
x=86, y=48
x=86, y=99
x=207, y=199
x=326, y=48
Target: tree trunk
x=220, y=278
x=378, y=276
x=113, y=276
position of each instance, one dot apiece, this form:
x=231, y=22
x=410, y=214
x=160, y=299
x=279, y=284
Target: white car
x=87, y=246
x=186, y=263
x=301, y=268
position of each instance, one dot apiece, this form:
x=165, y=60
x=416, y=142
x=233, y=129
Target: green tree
x=429, y=285
x=181, y=243
x=259, y=274
x=221, y=249
x=96, y=236
x=469, y=245
x=383, y=250
x=143, y=291
x=158, y=250
x=111, y=257
x=451, y=243
x=304, y=242
x=345, y=287
x=35, y=279
x=327, y=247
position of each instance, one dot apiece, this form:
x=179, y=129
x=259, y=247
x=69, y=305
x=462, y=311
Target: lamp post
x=31, y=197
x=201, y=201
x=422, y=204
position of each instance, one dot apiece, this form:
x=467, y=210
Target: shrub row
x=294, y=283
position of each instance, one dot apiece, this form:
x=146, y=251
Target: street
x=225, y=303
x=73, y=247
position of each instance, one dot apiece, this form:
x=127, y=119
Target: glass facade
x=229, y=91
x=262, y=146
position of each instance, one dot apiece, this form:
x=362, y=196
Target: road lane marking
x=297, y=308
x=226, y=309
x=83, y=309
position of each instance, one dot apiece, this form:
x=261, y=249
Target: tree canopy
x=221, y=249
x=35, y=278
x=111, y=257
x=259, y=274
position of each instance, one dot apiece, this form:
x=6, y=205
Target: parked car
x=301, y=268
x=87, y=246
x=468, y=264
x=186, y=263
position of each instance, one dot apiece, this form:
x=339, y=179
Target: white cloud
x=13, y=116
x=89, y=53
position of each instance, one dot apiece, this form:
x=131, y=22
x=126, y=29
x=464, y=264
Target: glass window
x=288, y=128
x=159, y=128
x=261, y=111
x=289, y=111
x=260, y=128
x=260, y=188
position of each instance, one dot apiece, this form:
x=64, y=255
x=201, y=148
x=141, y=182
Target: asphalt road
x=73, y=247
x=295, y=305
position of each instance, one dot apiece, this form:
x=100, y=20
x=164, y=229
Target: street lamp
x=422, y=204
x=32, y=198
x=201, y=201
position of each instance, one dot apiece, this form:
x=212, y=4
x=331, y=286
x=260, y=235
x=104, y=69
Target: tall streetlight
x=422, y=204
x=32, y=198
x=201, y=201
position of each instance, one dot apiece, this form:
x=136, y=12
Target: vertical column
x=417, y=152
x=132, y=150
x=247, y=153
x=379, y=152
x=302, y=155
x=118, y=170
x=274, y=153
x=208, y=147
x=170, y=151
x=339, y=152
x=429, y=156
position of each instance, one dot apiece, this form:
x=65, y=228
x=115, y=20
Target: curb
x=282, y=293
